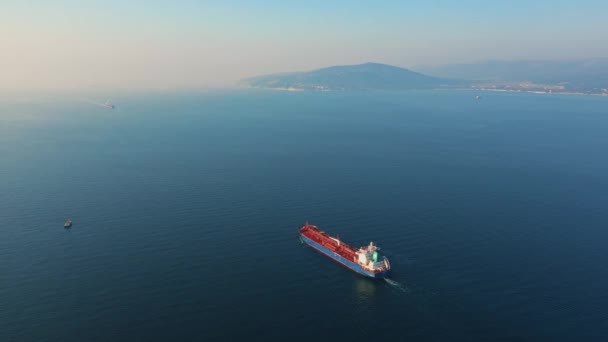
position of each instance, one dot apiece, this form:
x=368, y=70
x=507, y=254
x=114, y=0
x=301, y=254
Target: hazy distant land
x=588, y=77
x=368, y=76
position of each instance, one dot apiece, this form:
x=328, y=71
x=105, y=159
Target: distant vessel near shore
x=108, y=105
x=364, y=260
x=67, y=224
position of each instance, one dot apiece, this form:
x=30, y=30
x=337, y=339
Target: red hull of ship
x=323, y=239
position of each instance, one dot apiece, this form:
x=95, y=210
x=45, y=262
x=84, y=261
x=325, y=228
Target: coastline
x=537, y=92
x=293, y=89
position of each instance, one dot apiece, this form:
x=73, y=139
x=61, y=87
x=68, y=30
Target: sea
x=185, y=205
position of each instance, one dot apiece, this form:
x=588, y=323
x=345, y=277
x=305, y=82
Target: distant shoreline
x=536, y=92
x=293, y=89
x=378, y=76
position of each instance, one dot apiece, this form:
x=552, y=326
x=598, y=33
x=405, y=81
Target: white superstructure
x=367, y=257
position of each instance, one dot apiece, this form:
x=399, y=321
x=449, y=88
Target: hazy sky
x=175, y=44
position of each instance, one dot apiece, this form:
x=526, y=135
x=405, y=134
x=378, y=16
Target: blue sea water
x=493, y=213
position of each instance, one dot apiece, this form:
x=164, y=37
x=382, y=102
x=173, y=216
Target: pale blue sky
x=177, y=44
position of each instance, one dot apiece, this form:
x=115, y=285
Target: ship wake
x=397, y=285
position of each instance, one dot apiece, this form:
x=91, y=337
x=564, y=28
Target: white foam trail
x=95, y=103
x=397, y=285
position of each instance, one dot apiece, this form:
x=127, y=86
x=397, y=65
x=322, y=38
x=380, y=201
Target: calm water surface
x=185, y=208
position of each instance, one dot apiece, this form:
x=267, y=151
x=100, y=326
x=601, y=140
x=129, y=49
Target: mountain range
x=580, y=73
x=575, y=76
x=368, y=76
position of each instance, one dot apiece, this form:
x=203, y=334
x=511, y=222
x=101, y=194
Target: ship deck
x=333, y=244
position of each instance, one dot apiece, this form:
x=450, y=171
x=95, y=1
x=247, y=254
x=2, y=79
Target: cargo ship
x=365, y=260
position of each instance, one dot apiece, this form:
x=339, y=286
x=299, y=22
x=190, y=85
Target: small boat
x=67, y=224
x=478, y=97
x=108, y=105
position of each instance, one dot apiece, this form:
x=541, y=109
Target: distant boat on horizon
x=108, y=105
x=67, y=224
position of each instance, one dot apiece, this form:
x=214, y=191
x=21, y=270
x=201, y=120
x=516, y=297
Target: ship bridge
x=368, y=258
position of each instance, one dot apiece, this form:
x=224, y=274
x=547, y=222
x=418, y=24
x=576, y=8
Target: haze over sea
x=186, y=208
